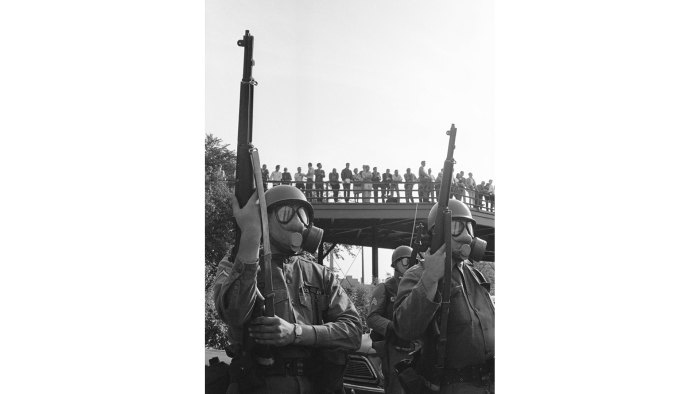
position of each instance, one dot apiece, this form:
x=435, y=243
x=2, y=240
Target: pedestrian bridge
x=386, y=225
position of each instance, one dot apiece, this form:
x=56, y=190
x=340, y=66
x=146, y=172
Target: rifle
x=416, y=245
x=247, y=176
x=248, y=169
x=442, y=235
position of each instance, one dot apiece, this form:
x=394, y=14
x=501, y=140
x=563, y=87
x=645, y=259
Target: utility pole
x=363, y=264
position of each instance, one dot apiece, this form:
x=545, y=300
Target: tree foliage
x=361, y=296
x=216, y=152
x=219, y=232
x=488, y=268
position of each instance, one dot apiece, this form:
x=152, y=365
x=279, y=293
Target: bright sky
x=363, y=82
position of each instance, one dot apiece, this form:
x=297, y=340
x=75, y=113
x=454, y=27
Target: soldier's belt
x=473, y=373
x=286, y=367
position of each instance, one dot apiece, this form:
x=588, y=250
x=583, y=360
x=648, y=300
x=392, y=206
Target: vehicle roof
x=221, y=354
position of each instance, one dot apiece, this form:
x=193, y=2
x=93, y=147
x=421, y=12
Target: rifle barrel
x=448, y=169
x=244, y=169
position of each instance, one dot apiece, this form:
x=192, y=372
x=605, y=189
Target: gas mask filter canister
x=312, y=237
x=307, y=240
x=473, y=250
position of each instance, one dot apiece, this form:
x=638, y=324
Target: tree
x=488, y=268
x=219, y=232
x=361, y=296
x=216, y=152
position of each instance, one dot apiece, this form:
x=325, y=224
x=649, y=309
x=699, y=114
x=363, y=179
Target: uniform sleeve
x=375, y=318
x=235, y=291
x=413, y=311
x=343, y=327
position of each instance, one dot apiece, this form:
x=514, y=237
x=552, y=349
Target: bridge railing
x=386, y=193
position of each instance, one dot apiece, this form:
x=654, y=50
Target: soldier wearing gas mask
x=390, y=348
x=315, y=322
x=469, y=355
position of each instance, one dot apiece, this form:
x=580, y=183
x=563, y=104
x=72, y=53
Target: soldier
x=469, y=356
x=315, y=322
x=390, y=348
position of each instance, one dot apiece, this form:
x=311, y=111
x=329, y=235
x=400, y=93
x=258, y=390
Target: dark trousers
x=490, y=200
x=386, y=189
x=409, y=192
x=424, y=191
x=346, y=191
x=319, y=191
x=336, y=189
x=392, y=187
x=300, y=186
x=309, y=192
x=376, y=187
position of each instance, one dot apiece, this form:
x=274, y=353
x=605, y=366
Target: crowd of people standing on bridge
x=371, y=185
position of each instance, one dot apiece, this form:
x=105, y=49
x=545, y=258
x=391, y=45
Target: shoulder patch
x=374, y=301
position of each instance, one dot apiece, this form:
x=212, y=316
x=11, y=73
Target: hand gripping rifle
x=442, y=232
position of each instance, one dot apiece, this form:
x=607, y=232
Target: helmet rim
x=458, y=208
x=281, y=194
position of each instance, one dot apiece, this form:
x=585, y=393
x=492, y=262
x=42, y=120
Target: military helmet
x=400, y=252
x=458, y=208
x=282, y=194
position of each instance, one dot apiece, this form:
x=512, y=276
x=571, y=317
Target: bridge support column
x=375, y=254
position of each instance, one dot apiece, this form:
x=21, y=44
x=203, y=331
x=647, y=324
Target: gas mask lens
x=285, y=214
x=459, y=225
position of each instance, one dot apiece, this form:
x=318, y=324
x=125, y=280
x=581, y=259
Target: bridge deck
x=387, y=225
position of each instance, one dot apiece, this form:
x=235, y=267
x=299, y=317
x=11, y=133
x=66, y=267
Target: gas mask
x=294, y=230
x=472, y=248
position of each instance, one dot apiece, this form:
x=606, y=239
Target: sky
x=362, y=82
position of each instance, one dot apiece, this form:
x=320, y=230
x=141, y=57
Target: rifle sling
x=267, y=255
x=446, y=283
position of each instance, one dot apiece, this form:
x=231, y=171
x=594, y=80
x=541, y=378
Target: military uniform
x=306, y=293
x=392, y=349
x=469, y=352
